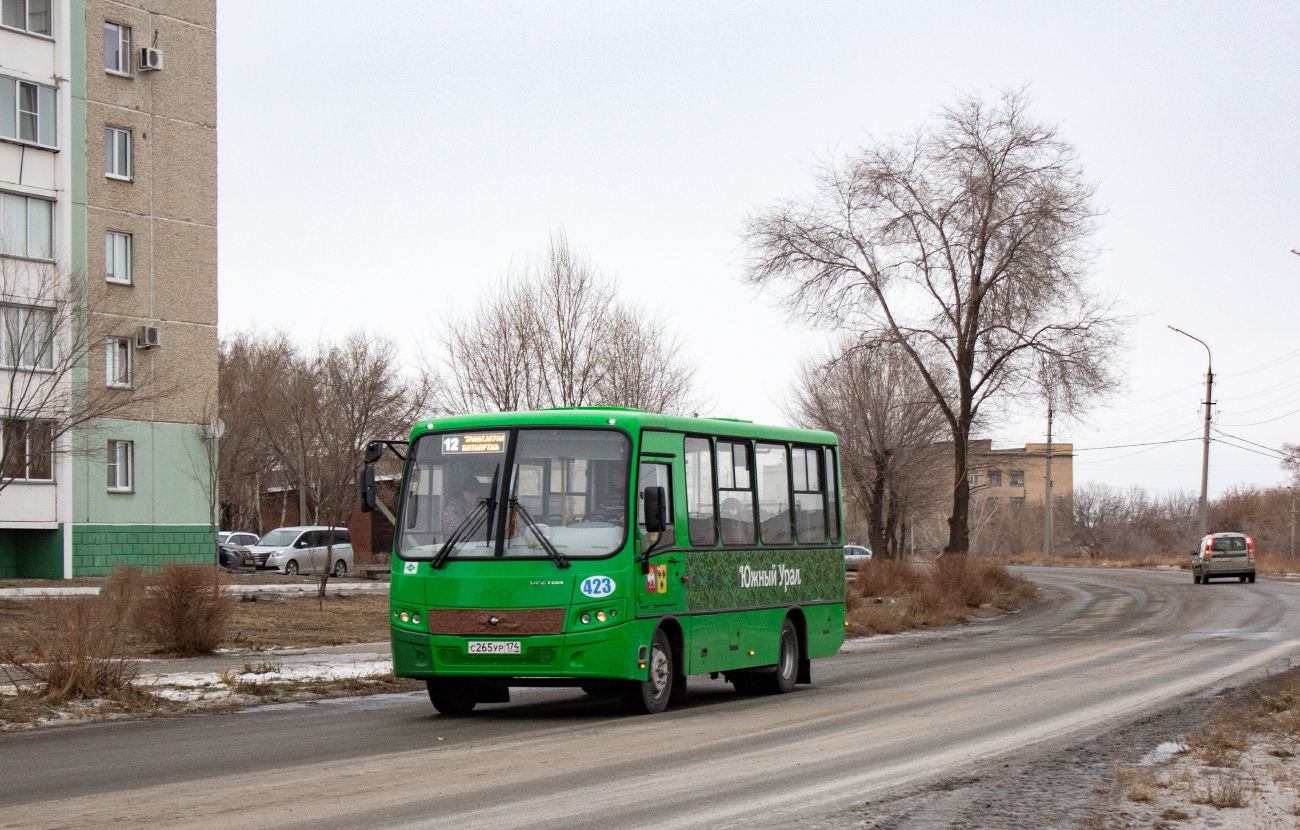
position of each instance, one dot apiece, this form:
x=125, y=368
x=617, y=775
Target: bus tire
x=652, y=695
x=783, y=679
x=451, y=697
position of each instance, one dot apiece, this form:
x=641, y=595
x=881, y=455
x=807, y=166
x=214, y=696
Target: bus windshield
x=565, y=493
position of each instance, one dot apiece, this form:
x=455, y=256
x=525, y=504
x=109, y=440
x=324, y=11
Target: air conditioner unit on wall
x=148, y=337
x=150, y=58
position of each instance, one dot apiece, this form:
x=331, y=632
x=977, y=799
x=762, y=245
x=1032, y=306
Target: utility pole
x=1293, y=521
x=1047, y=514
x=1205, y=443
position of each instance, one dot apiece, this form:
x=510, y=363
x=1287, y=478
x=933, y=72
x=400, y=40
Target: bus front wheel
x=450, y=697
x=651, y=696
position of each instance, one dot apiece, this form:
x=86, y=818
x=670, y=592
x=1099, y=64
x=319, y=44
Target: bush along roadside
x=889, y=596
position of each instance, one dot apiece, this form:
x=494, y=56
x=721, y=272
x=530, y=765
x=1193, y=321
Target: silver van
x=1224, y=554
x=303, y=550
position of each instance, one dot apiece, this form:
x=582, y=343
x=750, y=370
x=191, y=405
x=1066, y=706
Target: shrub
x=78, y=653
x=186, y=609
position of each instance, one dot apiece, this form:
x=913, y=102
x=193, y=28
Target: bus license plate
x=494, y=647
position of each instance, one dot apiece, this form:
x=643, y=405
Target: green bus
x=613, y=550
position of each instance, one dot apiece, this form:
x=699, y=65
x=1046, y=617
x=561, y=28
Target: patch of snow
x=1164, y=751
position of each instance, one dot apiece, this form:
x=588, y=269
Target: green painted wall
x=97, y=549
x=170, y=463
x=31, y=554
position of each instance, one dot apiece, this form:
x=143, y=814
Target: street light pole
x=1205, y=443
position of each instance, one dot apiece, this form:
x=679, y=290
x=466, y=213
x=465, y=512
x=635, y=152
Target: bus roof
x=632, y=420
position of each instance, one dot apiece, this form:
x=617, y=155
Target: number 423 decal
x=656, y=581
x=597, y=586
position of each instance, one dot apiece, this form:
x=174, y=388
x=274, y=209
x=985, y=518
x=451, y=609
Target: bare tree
x=967, y=245
x=644, y=367
x=875, y=400
x=47, y=332
x=314, y=412
x=554, y=334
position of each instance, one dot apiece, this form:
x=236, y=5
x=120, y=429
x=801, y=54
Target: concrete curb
x=293, y=588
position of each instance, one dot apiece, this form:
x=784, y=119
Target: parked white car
x=303, y=550
x=855, y=556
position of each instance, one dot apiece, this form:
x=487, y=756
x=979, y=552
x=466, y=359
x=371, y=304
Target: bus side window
x=832, y=497
x=773, y=493
x=736, y=503
x=809, y=499
x=700, y=512
x=655, y=475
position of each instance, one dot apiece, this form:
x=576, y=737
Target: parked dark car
x=232, y=549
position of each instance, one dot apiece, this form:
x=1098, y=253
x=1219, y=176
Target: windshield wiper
x=470, y=525
x=560, y=561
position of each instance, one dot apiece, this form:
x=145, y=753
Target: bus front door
x=661, y=590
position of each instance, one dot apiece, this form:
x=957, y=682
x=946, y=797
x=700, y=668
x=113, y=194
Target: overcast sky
x=381, y=164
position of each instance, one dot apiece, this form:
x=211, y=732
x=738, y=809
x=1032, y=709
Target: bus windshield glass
x=565, y=493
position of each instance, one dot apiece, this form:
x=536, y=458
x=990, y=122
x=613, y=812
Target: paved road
x=883, y=713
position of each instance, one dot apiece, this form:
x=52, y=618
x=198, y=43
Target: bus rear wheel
x=450, y=697
x=787, y=664
x=651, y=696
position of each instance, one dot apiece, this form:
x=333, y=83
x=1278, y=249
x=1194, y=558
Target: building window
x=28, y=337
x=26, y=226
x=974, y=478
x=995, y=478
x=28, y=450
x=31, y=16
x=1017, y=478
x=117, y=49
x=118, y=363
x=121, y=465
x=1017, y=501
x=117, y=257
x=117, y=153
x=27, y=112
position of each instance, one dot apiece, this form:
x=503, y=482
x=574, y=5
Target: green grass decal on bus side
x=751, y=578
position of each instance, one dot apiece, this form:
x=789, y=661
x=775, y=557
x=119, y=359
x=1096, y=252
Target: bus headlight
x=600, y=616
x=404, y=617
x=585, y=618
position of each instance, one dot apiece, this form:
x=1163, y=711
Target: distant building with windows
x=1018, y=475
x=108, y=173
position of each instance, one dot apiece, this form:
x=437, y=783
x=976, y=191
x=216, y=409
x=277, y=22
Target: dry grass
x=76, y=650
x=1114, y=560
x=1137, y=784
x=1220, y=791
x=186, y=609
x=890, y=596
x=303, y=622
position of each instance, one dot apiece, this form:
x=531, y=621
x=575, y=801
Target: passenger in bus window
x=458, y=509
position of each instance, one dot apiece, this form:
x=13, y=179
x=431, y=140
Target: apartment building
x=108, y=186
x=1018, y=475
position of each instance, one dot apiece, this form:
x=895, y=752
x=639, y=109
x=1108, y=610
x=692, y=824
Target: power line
x=1248, y=449
x=1126, y=446
x=1269, y=421
x=1281, y=453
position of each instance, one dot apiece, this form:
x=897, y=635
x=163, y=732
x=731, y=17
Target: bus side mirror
x=373, y=451
x=366, y=485
x=656, y=510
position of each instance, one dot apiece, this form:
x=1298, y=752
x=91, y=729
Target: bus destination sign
x=488, y=442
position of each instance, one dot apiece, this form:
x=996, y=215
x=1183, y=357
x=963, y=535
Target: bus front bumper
x=607, y=653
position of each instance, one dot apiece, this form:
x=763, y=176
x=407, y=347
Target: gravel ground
x=1074, y=786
